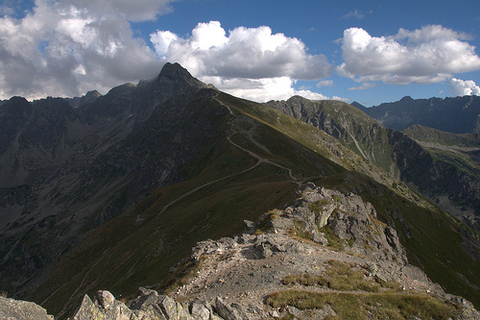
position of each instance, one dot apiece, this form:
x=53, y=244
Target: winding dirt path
x=259, y=158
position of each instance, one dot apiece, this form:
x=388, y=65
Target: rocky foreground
x=326, y=256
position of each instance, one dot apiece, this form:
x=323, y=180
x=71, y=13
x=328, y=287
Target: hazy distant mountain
x=112, y=192
x=456, y=115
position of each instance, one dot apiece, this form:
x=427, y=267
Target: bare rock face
x=22, y=310
x=328, y=216
x=150, y=305
x=321, y=229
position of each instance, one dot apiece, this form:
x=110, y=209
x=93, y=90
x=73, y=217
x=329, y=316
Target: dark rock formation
x=457, y=115
x=65, y=170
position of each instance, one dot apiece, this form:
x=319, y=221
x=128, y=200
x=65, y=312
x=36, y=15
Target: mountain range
x=455, y=115
x=112, y=191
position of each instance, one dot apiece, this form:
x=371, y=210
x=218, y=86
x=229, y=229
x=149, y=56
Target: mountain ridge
x=304, y=249
x=214, y=162
x=451, y=114
x=393, y=151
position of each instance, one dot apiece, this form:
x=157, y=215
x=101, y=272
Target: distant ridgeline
x=456, y=115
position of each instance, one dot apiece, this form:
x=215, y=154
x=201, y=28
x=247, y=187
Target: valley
x=113, y=193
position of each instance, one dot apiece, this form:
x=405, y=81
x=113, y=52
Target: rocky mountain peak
x=406, y=99
x=176, y=75
x=298, y=101
x=358, y=105
x=89, y=97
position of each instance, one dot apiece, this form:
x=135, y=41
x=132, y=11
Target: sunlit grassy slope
x=434, y=241
x=252, y=164
x=460, y=150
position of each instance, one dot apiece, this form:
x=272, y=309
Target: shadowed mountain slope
x=457, y=115
x=115, y=197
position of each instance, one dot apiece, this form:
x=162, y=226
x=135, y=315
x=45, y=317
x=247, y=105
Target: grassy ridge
x=459, y=150
x=433, y=239
x=362, y=305
x=138, y=250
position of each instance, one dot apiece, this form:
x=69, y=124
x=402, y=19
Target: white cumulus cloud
x=427, y=55
x=65, y=48
x=262, y=90
x=325, y=83
x=138, y=10
x=250, y=62
x=464, y=88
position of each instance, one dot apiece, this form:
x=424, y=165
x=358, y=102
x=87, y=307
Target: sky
x=365, y=51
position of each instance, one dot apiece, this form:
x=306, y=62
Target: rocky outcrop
x=149, y=305
x=329, y=217
x=11, y=309
x=321, y=228
x=306, y=248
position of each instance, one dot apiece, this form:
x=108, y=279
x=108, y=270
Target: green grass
x=342, y=276
x=333, y=240
x=128, y=254
x=317, y=206
x=359, y=305
x=461, y=160
x=433, y=239
x=122, y=255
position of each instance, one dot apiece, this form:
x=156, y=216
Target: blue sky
x=370, y=52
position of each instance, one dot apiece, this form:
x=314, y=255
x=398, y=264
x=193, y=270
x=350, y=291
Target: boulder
x=148, y=305
x=22, y=310
x=229, y=312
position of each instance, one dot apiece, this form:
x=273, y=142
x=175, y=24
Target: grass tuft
x=367, y=305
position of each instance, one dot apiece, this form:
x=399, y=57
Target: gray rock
x=232, y=312
x=212, y=247
x=199, y=310
x=11, y=309
x=414, y=273
x=145, y=298
x=149, y=305
x=106, y=299
x=249, y=227
x=323, y=217
x=280, y=224
x=294, y=311
x=468, y=312
x=87, y=310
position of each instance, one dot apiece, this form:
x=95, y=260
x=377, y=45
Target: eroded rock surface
x=303, y=239
x=11, y=309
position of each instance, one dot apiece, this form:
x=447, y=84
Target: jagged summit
x=174, y=75
x=406, y=99
x=358, y=105
x=174, y=70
